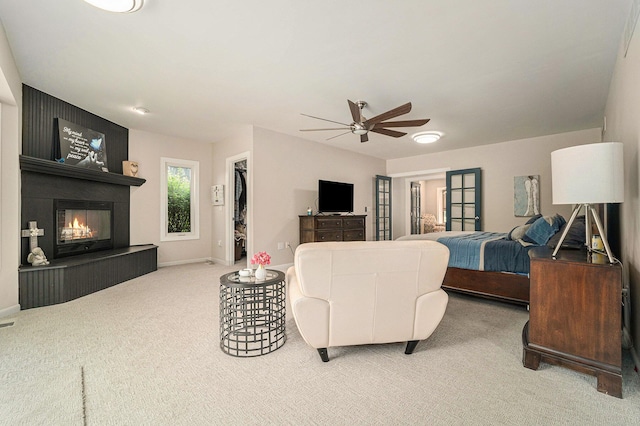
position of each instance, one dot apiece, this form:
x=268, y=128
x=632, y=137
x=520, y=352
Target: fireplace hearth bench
x=68, y=278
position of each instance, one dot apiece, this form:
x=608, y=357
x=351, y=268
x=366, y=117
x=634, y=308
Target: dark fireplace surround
x=44, y=180
x=78, y=266
x=82, y=227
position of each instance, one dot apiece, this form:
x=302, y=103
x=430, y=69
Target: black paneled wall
x=39, y=140
x=40, y=133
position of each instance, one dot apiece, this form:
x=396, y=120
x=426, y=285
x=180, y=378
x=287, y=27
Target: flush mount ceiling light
x=119, y=6
x=427, y=137
x=141, y=110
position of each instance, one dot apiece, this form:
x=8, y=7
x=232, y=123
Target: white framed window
x=179, y=218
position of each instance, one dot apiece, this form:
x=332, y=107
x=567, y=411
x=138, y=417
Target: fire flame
x=76, y=230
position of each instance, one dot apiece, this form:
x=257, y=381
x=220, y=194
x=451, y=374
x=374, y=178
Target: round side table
x=252, y=314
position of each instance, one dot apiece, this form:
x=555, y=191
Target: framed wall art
x=82, y=147
x=526, y=195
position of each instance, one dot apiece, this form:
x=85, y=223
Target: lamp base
x=589, y=210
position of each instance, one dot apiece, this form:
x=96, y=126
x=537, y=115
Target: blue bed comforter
x=487, y=251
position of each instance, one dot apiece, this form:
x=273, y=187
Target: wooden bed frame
x=503, y=286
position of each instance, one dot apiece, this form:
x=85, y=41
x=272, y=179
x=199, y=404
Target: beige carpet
x=146, y=352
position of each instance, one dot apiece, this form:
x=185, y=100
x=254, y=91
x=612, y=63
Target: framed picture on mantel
x=82, y=147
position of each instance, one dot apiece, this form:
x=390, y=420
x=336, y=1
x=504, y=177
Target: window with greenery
x=179, y=200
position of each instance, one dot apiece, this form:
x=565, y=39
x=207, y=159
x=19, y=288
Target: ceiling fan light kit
x=118, y=6
x=361, y=126
x=427, y=137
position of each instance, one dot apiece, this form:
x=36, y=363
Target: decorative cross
x=33, y=233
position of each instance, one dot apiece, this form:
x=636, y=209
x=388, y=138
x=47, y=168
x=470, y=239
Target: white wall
x=240, y=143
x=623, y=125
x=147, y=148
x=500, y=163
x=10, y=148
x=285, y=182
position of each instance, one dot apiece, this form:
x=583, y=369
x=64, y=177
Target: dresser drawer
x=328, y=223
x=329, y=236
x=353, y=222
x=353, y=235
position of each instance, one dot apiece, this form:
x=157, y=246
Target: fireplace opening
x=82, y=227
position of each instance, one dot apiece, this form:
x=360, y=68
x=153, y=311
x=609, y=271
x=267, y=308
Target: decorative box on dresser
x=332, y=228
x=575, y=315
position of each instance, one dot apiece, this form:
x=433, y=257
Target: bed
x=496, y=265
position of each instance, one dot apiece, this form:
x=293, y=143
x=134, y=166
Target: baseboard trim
x=11, y=310
x=184, y=262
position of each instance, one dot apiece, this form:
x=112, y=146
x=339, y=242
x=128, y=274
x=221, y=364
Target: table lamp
x=585, y=175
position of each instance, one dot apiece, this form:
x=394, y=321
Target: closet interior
x=240, y=209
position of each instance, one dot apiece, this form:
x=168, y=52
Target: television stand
x=332, y=228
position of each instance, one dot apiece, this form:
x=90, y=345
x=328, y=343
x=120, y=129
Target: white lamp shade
x=592, y=174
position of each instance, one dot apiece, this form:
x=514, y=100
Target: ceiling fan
x=362, y=126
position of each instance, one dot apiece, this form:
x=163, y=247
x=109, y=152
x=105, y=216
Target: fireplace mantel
x=38, y=165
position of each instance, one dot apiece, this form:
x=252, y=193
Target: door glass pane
x=456, y=196
x=469, y=210
x=382, y=199
x=470, y=180
x=469, y=195
x=456, y=211
x=469, y=224
x=456, y=225
x=456, y=181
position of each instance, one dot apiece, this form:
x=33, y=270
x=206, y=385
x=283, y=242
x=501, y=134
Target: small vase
x=261, y=273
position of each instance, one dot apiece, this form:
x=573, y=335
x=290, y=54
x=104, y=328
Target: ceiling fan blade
x=324, y=119
x=407, y=123
x=387, y=132
x=402, y=109
x=315, y=130
x=356, y=114
x=364, y=138
x=333, y=137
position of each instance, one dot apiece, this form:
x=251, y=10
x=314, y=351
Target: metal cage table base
x=252, y=314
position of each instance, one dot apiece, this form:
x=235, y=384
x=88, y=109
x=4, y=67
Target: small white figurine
x=37, y=257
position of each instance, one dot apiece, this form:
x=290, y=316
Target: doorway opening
x=238, y=211
x=427, y=212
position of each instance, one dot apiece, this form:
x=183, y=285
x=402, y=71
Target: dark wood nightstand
x=575, y=316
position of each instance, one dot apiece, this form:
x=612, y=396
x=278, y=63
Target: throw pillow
x=575, y=237
x=543, y=229
x=518, y=232
x=533, y=219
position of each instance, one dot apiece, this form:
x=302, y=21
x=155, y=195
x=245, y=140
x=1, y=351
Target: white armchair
x=355, y=293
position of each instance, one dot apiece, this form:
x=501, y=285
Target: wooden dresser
x=575, y=316
x=332, y=228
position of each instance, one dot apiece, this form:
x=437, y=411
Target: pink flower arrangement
x=261, y=258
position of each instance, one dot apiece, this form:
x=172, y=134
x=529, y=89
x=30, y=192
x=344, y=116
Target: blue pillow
x=543, y=229
x=533, y=219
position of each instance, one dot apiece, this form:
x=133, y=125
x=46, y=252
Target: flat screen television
x=335, y=197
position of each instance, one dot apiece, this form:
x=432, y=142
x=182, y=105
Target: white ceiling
x=484, y=71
